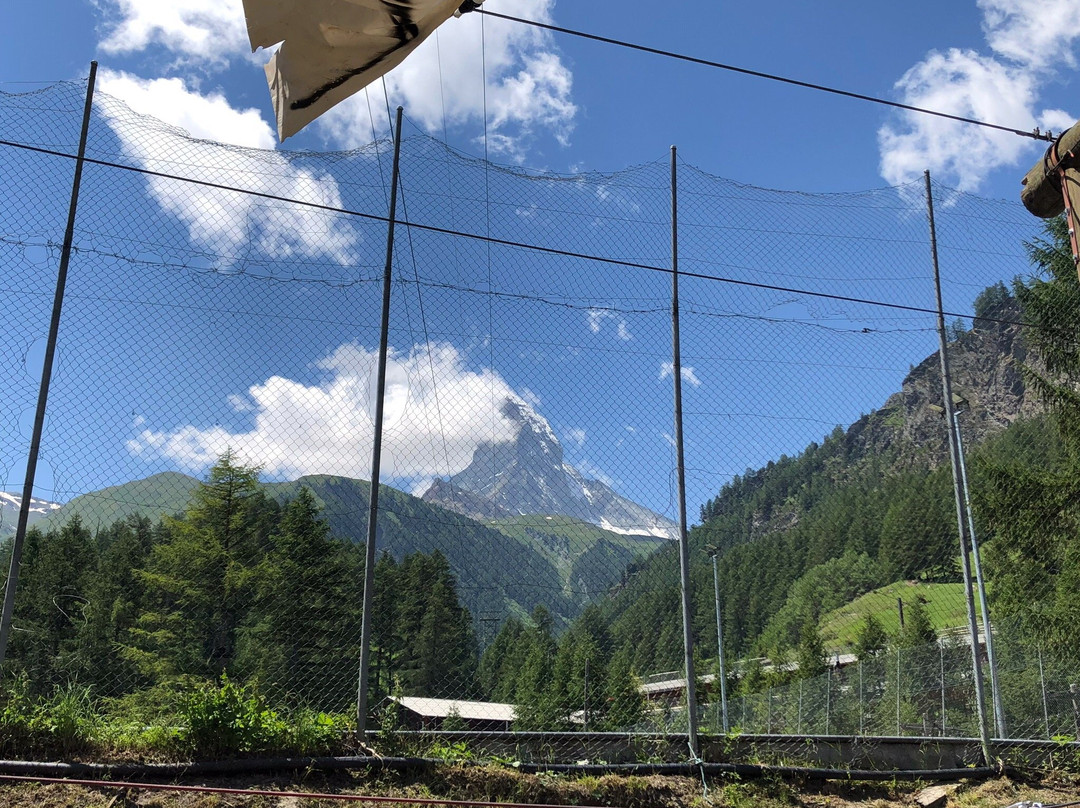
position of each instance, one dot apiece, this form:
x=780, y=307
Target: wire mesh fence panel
x=210, y=441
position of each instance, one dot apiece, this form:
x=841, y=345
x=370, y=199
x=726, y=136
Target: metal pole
x=828, y=700
x=1042, y=685
x=941, y=654
x=684, y=548
x=585, y=697
x=376, y=449
x=46, y=377
x=862, y=714
x=965, y=561
x=720, y=647
x=898, y=691
x=995, y=688
x=798, y=729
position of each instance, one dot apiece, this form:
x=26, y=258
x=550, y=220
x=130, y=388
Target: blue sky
x=565, y=105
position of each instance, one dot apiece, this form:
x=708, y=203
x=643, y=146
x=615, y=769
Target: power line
x=501, y=241
x=1035, y=134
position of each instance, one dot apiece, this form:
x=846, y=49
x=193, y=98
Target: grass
x=944, y=604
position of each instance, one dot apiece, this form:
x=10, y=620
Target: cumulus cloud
x=1027, y=40
x=437, y=411
x=528, y=86
x=207, y=31
x=667, y=370
x=221, y=220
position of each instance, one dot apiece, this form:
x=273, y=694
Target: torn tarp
x=333, y=48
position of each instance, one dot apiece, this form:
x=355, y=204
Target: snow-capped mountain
x=528, y=475
x=9, y=511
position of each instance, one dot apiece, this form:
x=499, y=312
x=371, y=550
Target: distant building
x=430, y=714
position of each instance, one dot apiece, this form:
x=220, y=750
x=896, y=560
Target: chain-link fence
x=201, y=498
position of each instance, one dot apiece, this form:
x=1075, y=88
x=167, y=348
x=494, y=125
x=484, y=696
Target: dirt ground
x=507, y=785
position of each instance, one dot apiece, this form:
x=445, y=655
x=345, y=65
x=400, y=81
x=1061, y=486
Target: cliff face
x=985, y=368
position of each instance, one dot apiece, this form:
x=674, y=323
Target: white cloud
x=667, y=370
x=530, y=398
x=529, y=88
x=208, y=31
x=328, y=427
x=575, y=436
x=1039, y=33
x=1028, y=39
x=596, y=317
x=221, y=220
x=594, y=472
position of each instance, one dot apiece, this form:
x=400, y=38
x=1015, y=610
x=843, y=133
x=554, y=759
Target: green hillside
x=503, y=570
x=589, y=559
x=944, y=605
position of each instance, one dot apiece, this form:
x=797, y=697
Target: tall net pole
x=376, y=449
x=961, y=524
x=46, y=378
x=684, y=549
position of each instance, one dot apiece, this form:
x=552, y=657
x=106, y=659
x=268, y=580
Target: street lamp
x=713, y=552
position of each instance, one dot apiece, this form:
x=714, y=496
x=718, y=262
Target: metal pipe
x=376, y=449
x=46, y=378
x=965, y=561
x=684, y=547
x=720, y=647
x=995, y=687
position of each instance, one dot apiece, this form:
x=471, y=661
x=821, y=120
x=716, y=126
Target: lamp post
x=713, y=552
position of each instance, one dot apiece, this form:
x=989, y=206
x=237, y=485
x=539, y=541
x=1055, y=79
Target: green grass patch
x=944, y=604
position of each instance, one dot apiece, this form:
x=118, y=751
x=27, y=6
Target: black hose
x=170, y=771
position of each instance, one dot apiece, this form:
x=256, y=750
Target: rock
x=934, y=796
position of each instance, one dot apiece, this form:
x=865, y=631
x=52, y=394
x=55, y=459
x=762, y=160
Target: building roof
x=443, y=708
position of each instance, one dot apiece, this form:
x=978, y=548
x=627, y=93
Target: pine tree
x=811, y=655
x=198, y=581
x=301, y=636
x=871, y=639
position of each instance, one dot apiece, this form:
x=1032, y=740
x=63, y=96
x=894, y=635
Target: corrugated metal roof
x=442, y=708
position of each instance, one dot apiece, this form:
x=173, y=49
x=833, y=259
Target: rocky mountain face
x=530, y=476
x=985, y=368
x=9, y=512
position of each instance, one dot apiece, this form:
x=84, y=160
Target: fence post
x=828, y=700
x=1042, y=687
x=961, y=525
x=898, y=691
x=8, y=609
x=798, y=725
x=768, y=712
x=862, y=715
x=684, y=548
x=376, y=449
x=941, y=654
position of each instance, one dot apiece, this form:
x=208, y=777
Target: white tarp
x=333, y=48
